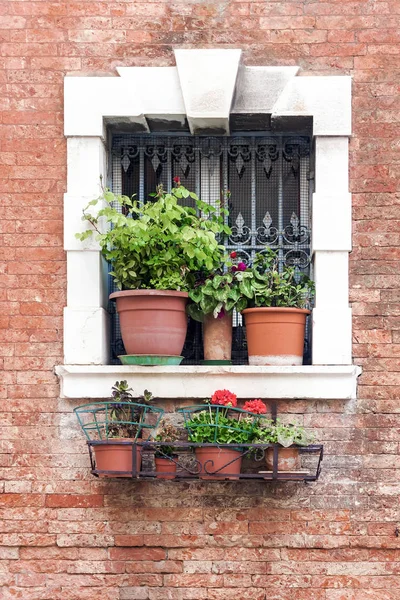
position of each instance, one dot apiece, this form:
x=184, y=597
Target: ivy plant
x=160, y=244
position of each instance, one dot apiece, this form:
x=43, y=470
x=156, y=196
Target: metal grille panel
x=264, y=181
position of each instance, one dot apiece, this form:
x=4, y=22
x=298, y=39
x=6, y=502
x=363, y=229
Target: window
x=264, y=182
x=209, y=91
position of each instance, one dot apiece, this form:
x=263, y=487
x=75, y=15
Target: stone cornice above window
x=210, y=92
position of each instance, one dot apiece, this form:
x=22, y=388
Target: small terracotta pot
x=275, y=336
x=164, y=465
x=116, y=457
x=288, y=459
x=152, y=321
x=215, y=459
x=217, y=337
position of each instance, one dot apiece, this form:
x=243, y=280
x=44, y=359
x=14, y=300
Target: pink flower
x=241, y=266
x=234, y=269
x=233, y=254
x=221, y=313
x=224, y=398
x=256, y=407
x=177, y=180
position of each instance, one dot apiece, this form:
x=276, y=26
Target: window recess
x=264, y=181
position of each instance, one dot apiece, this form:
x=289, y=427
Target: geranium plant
x=221, y=422
x=160, y=244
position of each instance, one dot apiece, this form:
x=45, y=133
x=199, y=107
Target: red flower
x=177, y=180
x=255, y=406
x=233, y=254
x=241, y=266
x=224, y=398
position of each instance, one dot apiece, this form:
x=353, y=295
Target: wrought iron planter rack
x=188, y=468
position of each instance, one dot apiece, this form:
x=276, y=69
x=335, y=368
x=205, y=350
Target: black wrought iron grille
x=263, y=180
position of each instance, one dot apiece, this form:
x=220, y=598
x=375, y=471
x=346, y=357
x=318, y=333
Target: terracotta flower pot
x=164, y=465
x=152, y=321
x=275, y=336
x=116, y=457
x=217, y=337
x=288, y=459
x=215, y=459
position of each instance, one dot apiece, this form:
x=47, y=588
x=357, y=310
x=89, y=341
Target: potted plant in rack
x=289, y=437
x=114, y=428
x=213, y=298
x=154, y=250
x=276, y=311
x=165, y=456
x=221, y=428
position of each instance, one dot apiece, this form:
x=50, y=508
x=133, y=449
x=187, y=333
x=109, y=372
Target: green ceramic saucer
x=149, y=360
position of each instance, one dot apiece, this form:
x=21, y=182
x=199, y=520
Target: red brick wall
x=65, y=535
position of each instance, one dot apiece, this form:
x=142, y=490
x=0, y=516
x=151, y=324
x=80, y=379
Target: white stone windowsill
x=304, y=382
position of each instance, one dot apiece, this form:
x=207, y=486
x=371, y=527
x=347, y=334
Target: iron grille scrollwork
x=263, y=180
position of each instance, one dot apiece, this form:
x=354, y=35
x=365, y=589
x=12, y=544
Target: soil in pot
x=116, y=457
x=215, y=460
x=153, y=322
x=217, y=337
x=164, y=465
x=275, y=336
x=288, y=459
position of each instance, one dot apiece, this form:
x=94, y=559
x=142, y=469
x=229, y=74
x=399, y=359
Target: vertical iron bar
x=275, y=462
x=280, y=208
x=141, y=173
x=225, y=182
x=134, y=462
x=197, y=166
x=169, y=166
x=253, y=196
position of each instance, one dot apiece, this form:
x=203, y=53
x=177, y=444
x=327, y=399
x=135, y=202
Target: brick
x=73, y=500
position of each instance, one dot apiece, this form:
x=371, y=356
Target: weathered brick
x=66, y=535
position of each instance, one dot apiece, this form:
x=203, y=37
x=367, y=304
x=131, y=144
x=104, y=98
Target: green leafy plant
x=212, y=426
x=166, y=432
x=263, y=285
x=286, y=435
x=236, y=285
x=159, y=244
x=221, y=422
x=218, y=292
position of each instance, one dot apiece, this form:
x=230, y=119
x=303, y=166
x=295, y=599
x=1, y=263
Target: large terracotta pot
x=288, y=459
x=275, y=336
x=214, y=459
x=152, y=321
x=116, y=457
x=164, y=465
x=217, y=337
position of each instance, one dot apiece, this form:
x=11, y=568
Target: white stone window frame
x=204, y=88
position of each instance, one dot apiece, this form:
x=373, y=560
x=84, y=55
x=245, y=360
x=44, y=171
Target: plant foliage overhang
x=159, y=244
